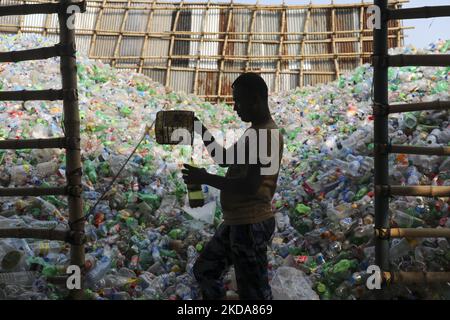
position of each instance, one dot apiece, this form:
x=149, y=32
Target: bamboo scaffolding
x=26, y=95
x=39, y=8
x=153, y=65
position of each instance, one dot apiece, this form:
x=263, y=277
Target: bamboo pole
x=96, y=29
x=360, y=35
x=418, y=13
x=381, y=136
x=280, y=50
x=419, y=233
x=25, y=95
x=333, y=42
x=412, y=277
x=145, y=44
x=72, y=132
x=250, y=35
x=429, y=60
x=168, y=34
x=194, y=5
x=172, y=41
x=224, y=48
x=33, y=143
x=408, y=107
x=438, y=151
x=32, y=191
x=302, y=47
x=119, y=39
x=200, y=46
x=34, y=233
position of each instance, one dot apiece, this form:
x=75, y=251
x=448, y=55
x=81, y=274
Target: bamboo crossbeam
x=103, y=32
x=417, y=277
x=419, y=232
x=33, y=233
x=238, y=6
x=167, y=35
x=229, y=70
x=408, y=107
x=243, y=57
x=429, y=60
x=424, y=191
x=26, y=95
x=419, y=13
x=31, y=191
x=96, y=30
x=33, y=143
x=437, y=151
x=35, y=54
x=40, y=8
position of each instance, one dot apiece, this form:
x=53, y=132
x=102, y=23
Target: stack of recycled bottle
x=142, y=241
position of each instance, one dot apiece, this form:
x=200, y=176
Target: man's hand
x=194, y=175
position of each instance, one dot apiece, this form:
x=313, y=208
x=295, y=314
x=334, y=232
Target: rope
x=91, y=210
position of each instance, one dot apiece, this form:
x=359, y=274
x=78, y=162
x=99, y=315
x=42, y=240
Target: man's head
x=250, y=95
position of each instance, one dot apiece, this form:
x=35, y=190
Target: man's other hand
x=194, y=175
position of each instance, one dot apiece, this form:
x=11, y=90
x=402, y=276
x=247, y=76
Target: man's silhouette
x=246, y=195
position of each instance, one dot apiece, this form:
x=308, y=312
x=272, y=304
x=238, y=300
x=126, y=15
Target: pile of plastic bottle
x=141, y=242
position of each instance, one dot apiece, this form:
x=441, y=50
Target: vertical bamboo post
x=380, y=81
x=172, y=41
x=147, y=31
x=224, y=49
x=97, y=24
x=361, y=28
x=119, y=38
x=21, y=20
x=302, y=46
x=46, y=24
x=250, y=35
x=280, y=48
x=72, y=133
x=200, y=46
x=333, y=43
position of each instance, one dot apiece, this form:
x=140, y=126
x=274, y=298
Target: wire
x=91, y=210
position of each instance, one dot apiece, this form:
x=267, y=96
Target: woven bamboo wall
x=202, y=47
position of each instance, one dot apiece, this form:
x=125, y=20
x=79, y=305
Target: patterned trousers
x=245, y=247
